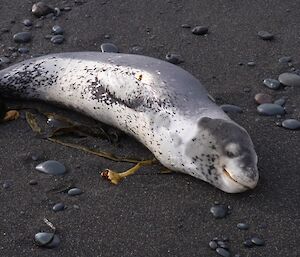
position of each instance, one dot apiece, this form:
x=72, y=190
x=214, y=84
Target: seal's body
x=160, y=104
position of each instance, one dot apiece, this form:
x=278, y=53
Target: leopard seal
x=160, y=104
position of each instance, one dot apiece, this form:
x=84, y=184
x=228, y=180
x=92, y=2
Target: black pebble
x=32, y=182
x=23, y=50
x=265, y=35
x=22, y=37
x=200, y=30
x=109, y=48
x=229, y=108
x=57, y=39
x=257, y=241
x=41, y=9
x=248, y=243
x=173, y=58
x=219, y=211
x=58, y=207
x=27, y=22
x=223, y=252
x=74, y=191
x=243, y=226
x=57, y=30
x=292, y=124
x=213, y=245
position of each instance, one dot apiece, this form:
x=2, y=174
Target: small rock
x=219, y=211
x=67, y=8
x=270, y=109
x=280, y=101
x=106, y=36
x=242, y=226
x=58, y=207
x=74, y=191
x=136, y=50
x=57, y=30
x=248, y=243
x=289, y=79
x=271, y=83
x=285, y=59
x=173, y=58
x=27, y=22
x=265, y=35
x=229, y=108
x=51, y=168
x=22, y=37
x=292, y=124
x=41, y=9
x=257, y=241
x=109, y=48
x=4, y=60
x=200, y=30
x=48, y=240
x=223, y=252
x=185, y=26
x=23, y=50
x=251, y=64
x=213, y=245
x=261, y=98
x=57, y=39
x=32, y=182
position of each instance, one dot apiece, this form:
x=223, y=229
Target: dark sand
x=151, y=214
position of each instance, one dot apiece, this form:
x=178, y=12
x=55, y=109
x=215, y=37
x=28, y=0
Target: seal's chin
x=232, y=185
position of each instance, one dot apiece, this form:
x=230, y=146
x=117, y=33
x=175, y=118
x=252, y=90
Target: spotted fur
x=158, y=103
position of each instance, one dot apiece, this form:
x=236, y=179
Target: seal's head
x=222, y=154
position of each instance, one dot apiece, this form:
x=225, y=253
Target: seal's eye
x=230, y=154
x=232, y=150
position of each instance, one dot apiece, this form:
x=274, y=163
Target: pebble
x=271, y=83
x=219, y=211
x=185, y=26
x=229, y=108
x=67, y=8
x=248, y=243
x=4, y=60
x=200, y=30
x=257, y=241
x=270, y=109
x=261, y=98
x=32, y=182
x=292, y=124
x=265, y=35
x=213, y=245
x=48, y=240
x=280, y=101
x=23, y=50
x=173, y=58
x=74, y=191
x=223, y=252
x=41, y=9
x=57, y=30
x=285, y=59
x=251, y=64
x=109, y=48
x=289, y=79
x=57, y=12
x=4, y=30
x=57, y=39
x=51, y=167
x=223, y=244
x=242, y=226
x=22, y=37
x=136, y=50
x=27, y=22
x=58, y=207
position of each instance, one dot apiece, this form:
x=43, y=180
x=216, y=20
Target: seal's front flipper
x=116, y=178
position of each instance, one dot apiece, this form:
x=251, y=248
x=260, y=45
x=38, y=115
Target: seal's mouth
x=228, y=175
